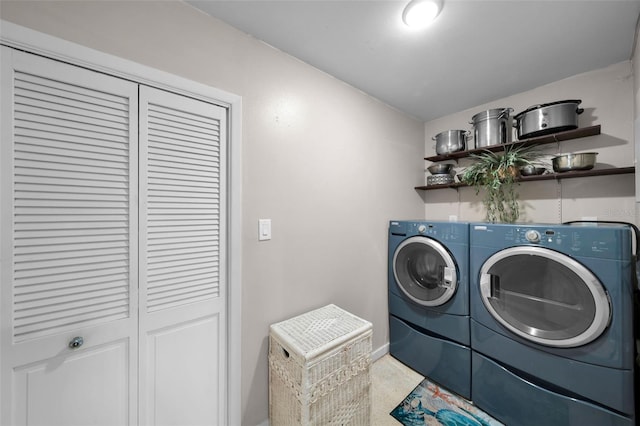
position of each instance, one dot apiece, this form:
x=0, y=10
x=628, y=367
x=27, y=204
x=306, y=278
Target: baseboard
x=380, y=352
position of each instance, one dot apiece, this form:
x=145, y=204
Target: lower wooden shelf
x=547, y=176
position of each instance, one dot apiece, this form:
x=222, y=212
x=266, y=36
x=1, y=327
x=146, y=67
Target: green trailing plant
x=497, y=174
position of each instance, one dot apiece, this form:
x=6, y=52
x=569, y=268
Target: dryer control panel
x=532, y=236
x=611, y=242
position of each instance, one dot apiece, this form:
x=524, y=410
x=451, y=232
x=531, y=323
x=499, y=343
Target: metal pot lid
x=451, y=131
x=490, y=113
x=535, y=107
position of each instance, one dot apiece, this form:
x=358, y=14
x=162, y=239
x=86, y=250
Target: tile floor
x=391, y=382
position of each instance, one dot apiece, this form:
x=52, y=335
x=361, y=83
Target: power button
x=532, y=236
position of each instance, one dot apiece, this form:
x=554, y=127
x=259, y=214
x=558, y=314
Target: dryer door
x=544, y=296
x=425, y=271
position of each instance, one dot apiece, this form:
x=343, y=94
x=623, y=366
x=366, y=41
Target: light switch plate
x=264, y=229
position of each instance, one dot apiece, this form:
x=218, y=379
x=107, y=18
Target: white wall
x=607, y=97
x=328, y=164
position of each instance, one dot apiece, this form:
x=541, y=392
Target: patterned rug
x=429, y=404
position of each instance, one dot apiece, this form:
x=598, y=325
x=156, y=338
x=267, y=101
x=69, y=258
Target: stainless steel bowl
x=573, y=161
x=440, y=169
x=531, y=170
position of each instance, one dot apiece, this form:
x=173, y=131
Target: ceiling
x=475, y=52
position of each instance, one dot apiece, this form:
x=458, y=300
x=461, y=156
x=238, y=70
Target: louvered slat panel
x=195, y=146
x=71, y=207
x=181, y=253
x=69, y=195
x=186, y=232
x=175, y=171
x=176, y=262
x=60, y=279
x=172, y=122
x=78, y=242
x=177, y=187
x=183, y=159
x=91, y=315
x=52, y=304
x=203, y=176
x=59, y=114
x=35, y=159
x=92, y=100
x=57, y=181
x=70, y=219
x=179, y=118
x=35, y=137
x=71, y=286
x=59, y=132
x=72, y=191
x=62, y=269
x=55, y=259
x=102, y=232
x=183, y=215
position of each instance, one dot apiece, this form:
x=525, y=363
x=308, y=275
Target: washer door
x=544, y=296
x=425, y=271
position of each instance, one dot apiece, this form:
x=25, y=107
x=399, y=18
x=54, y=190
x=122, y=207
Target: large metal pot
x=450, y=141
x=492, y=127
x=548, y=118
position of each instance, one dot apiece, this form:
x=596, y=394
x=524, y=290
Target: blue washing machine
x=429, y=300
x=552, y=313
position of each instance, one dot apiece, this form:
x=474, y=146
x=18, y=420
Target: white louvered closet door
x=182, y=288
x=68, y=219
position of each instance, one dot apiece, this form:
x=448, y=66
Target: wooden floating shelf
x=548, y=176
x=540, y=140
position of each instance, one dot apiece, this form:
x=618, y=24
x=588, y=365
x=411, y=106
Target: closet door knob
x=76, y=342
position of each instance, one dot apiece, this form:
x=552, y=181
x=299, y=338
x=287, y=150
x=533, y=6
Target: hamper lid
x=317, y=331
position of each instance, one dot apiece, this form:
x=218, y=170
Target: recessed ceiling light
x=420, y=13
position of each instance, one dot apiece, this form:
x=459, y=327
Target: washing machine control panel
x=450, y=232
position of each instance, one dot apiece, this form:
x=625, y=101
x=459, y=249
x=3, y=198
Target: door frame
x=31, y=41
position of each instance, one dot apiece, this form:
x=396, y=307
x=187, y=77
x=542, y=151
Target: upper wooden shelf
x=540, y=140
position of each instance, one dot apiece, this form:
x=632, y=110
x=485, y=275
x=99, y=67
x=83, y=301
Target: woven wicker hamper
x=319, y=369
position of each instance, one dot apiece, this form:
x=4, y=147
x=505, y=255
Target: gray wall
x=328, y=164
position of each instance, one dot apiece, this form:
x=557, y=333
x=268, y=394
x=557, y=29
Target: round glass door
x=544, y=296
x=425, y=271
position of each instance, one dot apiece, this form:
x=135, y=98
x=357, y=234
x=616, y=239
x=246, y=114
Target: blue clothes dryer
x=429, y=300
x=552, y=312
